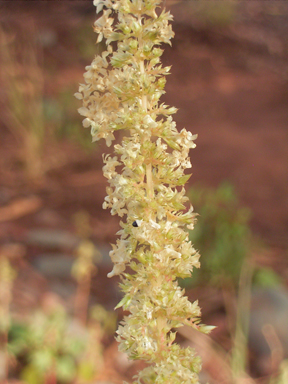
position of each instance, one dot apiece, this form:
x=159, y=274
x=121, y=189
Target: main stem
x=149, y=179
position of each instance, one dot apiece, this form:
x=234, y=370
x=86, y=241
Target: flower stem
x=149, y=180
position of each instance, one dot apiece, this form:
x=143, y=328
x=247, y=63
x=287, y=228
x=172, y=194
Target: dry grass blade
x=214, y=358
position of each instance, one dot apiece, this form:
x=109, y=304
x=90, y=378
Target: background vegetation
x=229, y=80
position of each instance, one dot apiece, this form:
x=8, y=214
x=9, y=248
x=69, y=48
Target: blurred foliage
x=61, y=109
x=86, y=42
x=61, y=113
x=34, y=117
x=23, y=81
x=82, y=224
x=8, y=254
x=7, y=276
x=211, y=13
x=52, y=344
x=84, y=265
x=87, y=254
x=224, y=239
x=239, y=351
x=265, y=277
x=221, y=234
x=107, y=319
x=46, y=346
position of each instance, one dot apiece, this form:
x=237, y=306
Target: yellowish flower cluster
x=146, y=186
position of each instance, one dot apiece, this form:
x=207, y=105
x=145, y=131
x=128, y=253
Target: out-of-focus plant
x=101, y=323
x=122, y=89
x=84, y=266
x=82, y=270
x=222, y=233
x=7, y=277
x=60, y=112
x=51, y=347
x=86, y=42
x=239, y=352
x=97, y=320
x=47, y=346
x=265, y=277
x=22, y=109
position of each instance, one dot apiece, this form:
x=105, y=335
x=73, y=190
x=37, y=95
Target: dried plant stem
x=82, y=299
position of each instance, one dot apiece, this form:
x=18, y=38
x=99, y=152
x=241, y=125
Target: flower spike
x=146, y=176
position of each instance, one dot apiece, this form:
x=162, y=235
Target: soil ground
x=229, y=80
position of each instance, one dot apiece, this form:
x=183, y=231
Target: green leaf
x=172, y=143
x=115, y=36
x=124, y=302
x=182, y=180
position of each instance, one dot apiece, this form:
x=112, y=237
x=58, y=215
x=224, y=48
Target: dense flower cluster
x=146, y=186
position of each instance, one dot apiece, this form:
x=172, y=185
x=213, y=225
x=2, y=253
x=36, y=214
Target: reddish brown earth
x=230, y=85
x=229, y=81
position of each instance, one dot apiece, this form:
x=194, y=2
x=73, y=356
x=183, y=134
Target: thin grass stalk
x=239, y=355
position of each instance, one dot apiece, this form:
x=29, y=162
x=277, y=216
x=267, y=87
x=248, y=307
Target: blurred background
x=229, y=79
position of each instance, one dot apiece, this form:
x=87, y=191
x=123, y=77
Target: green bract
x=146, y=177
